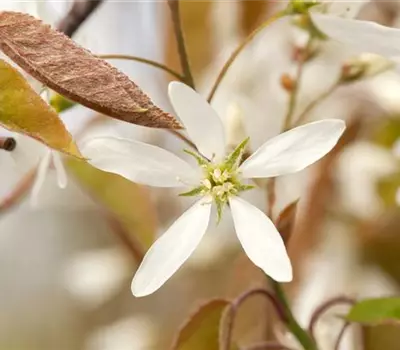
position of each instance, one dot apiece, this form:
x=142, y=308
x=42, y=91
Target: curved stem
x=341, y=334
x=183, y=56
x=232, y=312
x=145, y=61
x=239, y=49
x=304, y=338
x=323, y=308
x=19, y=192
x=315, y=103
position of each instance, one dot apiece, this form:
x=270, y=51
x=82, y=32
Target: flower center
x=220, y=180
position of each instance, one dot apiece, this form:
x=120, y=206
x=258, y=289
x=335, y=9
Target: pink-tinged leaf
x=201, y=330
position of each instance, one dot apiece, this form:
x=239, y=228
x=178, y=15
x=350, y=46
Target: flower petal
x=139, y=162
x=293, y=150
x=62, y=178
x=260, y=240
x=202, y=123
x=365, y=36
x=172, y=249
x=41, y=174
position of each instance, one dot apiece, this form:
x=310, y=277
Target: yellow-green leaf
x=128, y=202
x=374, y=311
x=22, y=110
x=201, y=331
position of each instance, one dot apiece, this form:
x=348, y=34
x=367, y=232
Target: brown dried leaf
x=201, y=331
x=286, y=220
x=58, y=62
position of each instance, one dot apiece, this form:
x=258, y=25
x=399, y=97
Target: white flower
x=364, y=36
x=218, y=179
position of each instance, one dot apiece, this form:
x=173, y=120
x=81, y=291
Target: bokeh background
x=66, y=264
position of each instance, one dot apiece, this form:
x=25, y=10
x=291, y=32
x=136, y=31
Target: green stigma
x=220, y=180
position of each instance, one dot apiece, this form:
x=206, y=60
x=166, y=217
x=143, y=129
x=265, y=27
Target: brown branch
x=19, y=192
x=232, y=312
x=78, y=14
x=340, y=335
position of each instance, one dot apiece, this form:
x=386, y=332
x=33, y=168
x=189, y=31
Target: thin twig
x=315, y=103
x=145, y=61
x=320, y=310
x=19, y=192
x=78, y=13
x=183, y=56
x=303, y=337
x=294, y=93
x=239, y=49
x=340, y=335
x=232, y=312
x=267, y=346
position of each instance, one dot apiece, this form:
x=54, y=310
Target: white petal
x=362, y=35
x=40, y=178
x=202, y=123
x=172, y=249
x=139, y=162
x=294, y=150
x=62, y=178
x=260, y=240
x=346, y=9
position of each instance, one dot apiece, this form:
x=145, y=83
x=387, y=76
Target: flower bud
x=366, y=65
x=287, y=82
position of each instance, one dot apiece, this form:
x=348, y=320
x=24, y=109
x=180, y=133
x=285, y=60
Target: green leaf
x=23, y=111
x=199, y=158
x=128, y=202
x=201, y=331
x=374, y=311
x=60, y=103
x=195, y=192
x=233, y=160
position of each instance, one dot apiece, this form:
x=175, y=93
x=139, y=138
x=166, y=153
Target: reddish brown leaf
x=201, y=331
x=286, y=220
x=58, y=62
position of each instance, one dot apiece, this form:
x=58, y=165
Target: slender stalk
x=79, y=12
x=239, y=49
x=19, y=192
x=301, y=334
x=323, y=308
x=183, y=56
x=271, y=196
x=315, y=103
x=145, y=61
x=232, y=312
x=340, y=336
x=182, y=137
x=287, y=121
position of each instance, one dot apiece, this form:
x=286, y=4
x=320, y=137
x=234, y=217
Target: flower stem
x=301, y=335
x=183, y=56
x=315, y=103
x=226, y=339
x=239, y=49
x=287, y=121
x=145, y=61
